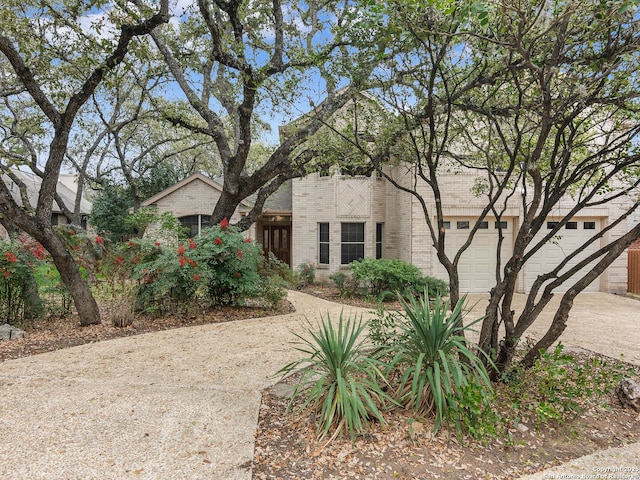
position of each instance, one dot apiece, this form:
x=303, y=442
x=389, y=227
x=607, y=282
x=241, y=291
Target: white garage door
x=569, y=239
x=477, y=266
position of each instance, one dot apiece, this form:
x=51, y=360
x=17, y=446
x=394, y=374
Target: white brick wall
x=406, y=235
x=335, y=200
x=194, y=198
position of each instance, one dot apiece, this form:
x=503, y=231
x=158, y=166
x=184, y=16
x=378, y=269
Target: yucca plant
x=338, y=380
x=432, y=361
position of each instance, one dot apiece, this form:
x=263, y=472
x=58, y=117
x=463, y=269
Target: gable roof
x=213, y=183
x=280, y=201
x=288, y=129
x=33, y=183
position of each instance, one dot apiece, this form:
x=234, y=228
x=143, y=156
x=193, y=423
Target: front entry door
x=277, y=239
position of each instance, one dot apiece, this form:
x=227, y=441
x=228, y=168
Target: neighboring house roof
x=65, y=190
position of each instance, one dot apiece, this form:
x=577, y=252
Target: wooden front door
x=277, y=239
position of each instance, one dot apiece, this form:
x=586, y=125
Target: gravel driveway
x=183, y=404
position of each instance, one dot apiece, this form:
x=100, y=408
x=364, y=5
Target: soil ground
x=54, y=333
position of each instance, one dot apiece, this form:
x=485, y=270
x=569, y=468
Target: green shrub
x=16, y=276
x=473, y=412
x=432, y=362
x=277, y=278
x=306, y=274
x=435, y=287
x=168, y=277
x=230, y=265
x=383, y=328
x=558, y=387
x=220, y=265
x=385, y=277
x=338, y=279
x=338, y=378
x=273, y=266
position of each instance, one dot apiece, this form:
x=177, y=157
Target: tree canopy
x=536, y=99
x=540, y=99
x=51, y=65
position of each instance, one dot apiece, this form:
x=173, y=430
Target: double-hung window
x=352, y=242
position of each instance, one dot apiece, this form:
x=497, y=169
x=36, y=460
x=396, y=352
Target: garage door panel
x=557, y=249
x=477, y=264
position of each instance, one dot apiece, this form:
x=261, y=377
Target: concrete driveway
x=601, y=322
x=177, y=404
x=183, y=404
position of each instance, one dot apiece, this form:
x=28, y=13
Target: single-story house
x=331, y=220
x=192, y=201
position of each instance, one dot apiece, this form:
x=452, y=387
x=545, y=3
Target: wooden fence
x=633, y=270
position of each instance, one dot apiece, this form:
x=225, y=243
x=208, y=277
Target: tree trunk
x=33, y=306
x=225, y=207
x=559, y=322
x=85, y=304
x=454, y=287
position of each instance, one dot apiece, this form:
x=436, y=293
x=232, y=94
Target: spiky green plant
x=432, y=360
x=338, y=380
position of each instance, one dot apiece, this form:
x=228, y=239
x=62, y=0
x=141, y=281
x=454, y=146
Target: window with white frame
x=351, y=242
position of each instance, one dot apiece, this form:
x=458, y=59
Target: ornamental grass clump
x=339, y=379
x=431, y=362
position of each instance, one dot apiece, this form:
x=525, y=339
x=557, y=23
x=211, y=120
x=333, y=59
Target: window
x=462, y=225
x=446, y=225
x=483, y=226
x=352, y=242
x=59, y=219
x=195, y=223
x=551, y=225
x=501, y=225
x=323, y=243
x=589, y=225
x=571, y=225
x=379, y=240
